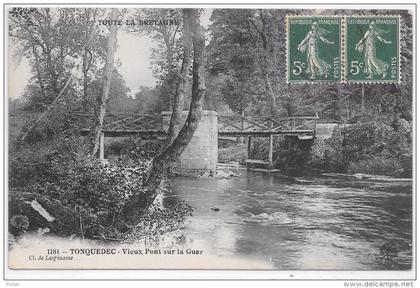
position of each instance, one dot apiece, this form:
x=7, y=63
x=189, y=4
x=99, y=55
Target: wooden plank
x=141, y=134
x=114, y=123
x=228, y=123
x=256, y=161
x=232, y=139
x=147, y=135
x=260, y=125
x=248, y=151
x=102, y=146
x=270, y=151
x=305, y=137
x=280, y=124
x=264, y=133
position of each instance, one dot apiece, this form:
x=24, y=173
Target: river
x=304, y=223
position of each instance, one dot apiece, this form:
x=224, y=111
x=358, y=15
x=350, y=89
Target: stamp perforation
x=343, y=51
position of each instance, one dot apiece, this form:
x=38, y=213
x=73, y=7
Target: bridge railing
x=244, y=124
x=123, y=122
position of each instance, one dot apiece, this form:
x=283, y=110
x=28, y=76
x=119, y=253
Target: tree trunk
x=140, y=202
x=85, y=81
x=274, y=108
x=266, y=65
x=51, y=72
x=38, y=72
x=170, y=62
x=265, y=70
x=48, y=110
x=87, y=55
x=363, y=99
x=179, y=96
x=103, y=99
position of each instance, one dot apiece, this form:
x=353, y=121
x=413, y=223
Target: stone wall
x=325, y=130
x=201, y=152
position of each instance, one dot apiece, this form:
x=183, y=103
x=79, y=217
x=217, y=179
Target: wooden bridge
x=123, y=124
x=153, y=127
x=263, y=126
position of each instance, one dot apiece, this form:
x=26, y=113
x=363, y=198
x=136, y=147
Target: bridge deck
x=265, y=133
x=146, y=135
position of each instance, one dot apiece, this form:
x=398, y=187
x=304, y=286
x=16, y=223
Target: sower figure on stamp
x=367, y=45
x=315, y=65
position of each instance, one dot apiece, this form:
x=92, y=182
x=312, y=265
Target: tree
x=178, y=103
x=91, y=46
x=102, y=99
x=141, y=201
x=46, y=38
x=246, y=45
x=56, y=41
x=261, y=21
x=118, y=99
x=167, y=54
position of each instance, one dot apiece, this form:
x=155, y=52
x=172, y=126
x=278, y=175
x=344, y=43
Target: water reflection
x=312, y=223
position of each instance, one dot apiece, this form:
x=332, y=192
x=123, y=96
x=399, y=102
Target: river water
x=303, y=223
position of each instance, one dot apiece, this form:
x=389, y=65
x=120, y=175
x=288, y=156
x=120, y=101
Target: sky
x=133, y=52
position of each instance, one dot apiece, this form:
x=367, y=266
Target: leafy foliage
x=158, y=222
x=52, y=163
x=95, y=191
x=372, y=147
x=132, y=150
x=289, y=154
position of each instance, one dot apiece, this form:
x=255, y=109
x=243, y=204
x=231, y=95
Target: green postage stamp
x=372, y=49
x=314, y=49
x=369, y=52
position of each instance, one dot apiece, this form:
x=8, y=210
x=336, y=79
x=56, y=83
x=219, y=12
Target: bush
x=373, y=147
x=43, y=161
x=379, y=166
x=327, y=155
x=233, y=153
x=58, y=170
x=288, y=153
x=95, y=191
x=158, y=222
x=99, y=193
x=133, y=150
x=52, y=162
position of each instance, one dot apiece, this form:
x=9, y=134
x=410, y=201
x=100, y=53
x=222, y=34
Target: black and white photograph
x=211, y=138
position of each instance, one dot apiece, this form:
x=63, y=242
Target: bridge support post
x=102, y=147
x=248, y=152
x=270, y=152
x=241, y=139
x=201, y=152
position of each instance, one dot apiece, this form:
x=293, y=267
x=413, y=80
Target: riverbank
x=362, y=176
x=224, y=170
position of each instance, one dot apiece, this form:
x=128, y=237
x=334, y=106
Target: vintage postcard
x=267, y=141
